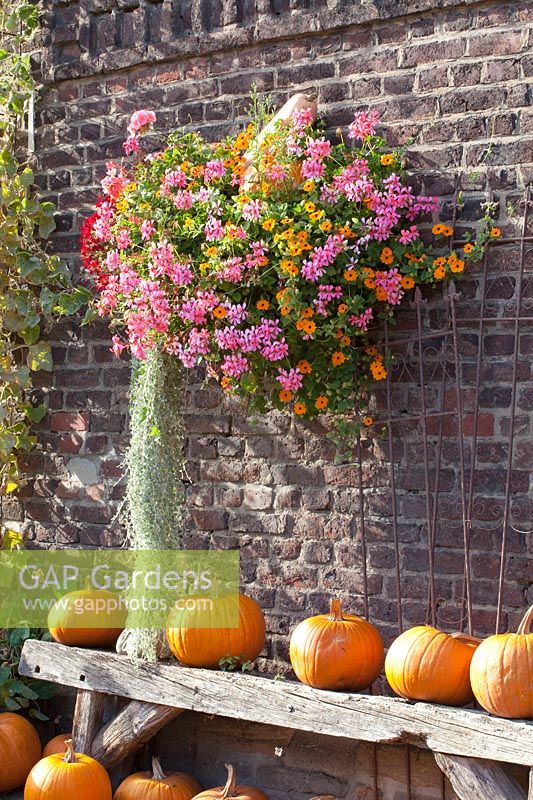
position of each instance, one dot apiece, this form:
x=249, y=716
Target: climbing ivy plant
x=34, y=285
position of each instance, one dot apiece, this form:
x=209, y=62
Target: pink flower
x=391, y=282
x=252, y=210
x=361, y=320
x=182, y=199
x=302, y=118
x=363, y=125
x=139, y=120
x=213, y=170
x=311, y=168
x=318, y=148
x=235, y=366
x=409, y=235
x=118, y=346
x=275, y=351
x=290, y=380
x=174, y=178
x=131, y=145
x=213, y=229
x=123, y=239
x=115, y=180
x=147, y=229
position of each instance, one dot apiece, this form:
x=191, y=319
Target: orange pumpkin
x=156, y=785
x=87, y=628
x=501, y=672
x=20, y=749
x=57, y=745
x=70, y=775
x=336, y=651
x=205, y=646
x=230, y=791
x=424, y=663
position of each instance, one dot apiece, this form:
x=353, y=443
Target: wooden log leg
x=479, y=779
x=130, y=730
x=530, y=793
x=88, y=715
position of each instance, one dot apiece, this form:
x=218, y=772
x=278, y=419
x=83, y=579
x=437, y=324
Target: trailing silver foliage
x=155, y=471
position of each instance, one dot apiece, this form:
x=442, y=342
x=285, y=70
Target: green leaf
x=22, y=689
x=12, y=705
x=46, y=228
x=36, y=413
x=71, y=302
x=36, y=714
x=31, y=335
x=27, y=177
x=5, y=675
x=40, y=357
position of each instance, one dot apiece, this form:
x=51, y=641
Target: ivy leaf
x=14, y=321
x=36, y=413
x=5, y=675
x=40, y=357
x=12, y=705
x=31, y=335
x=36, y=714
x=46, y=227
x=27, y=177
x=70, y=302
x=7, y=443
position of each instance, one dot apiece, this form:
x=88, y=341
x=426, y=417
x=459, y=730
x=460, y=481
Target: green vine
x=34, y=286
x=155, y=470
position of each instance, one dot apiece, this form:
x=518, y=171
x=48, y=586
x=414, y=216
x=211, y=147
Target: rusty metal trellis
x=443, y=349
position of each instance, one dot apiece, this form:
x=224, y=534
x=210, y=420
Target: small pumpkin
x=231, y=791
x=205, y=646
x=501, y=672
x=57, y=745
x=86, y=629
x=20, y=749
x=336, y=651
x=426, y=664
x=70, y=775
x=155, y=785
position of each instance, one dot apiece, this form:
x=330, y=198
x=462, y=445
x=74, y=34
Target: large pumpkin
x=57, y=745
x=88, y=628
x=232, y=791
x=424, y=663
x=20, y=749
x=69, y=775
x=501, y=672
x=156, y=785
x=198, y=646
x=336, y=651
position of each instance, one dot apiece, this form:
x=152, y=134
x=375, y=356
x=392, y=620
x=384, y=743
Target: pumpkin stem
x=525, y=625
x=465, y=637
x=335, y=610
x=229, y=788
x=157, y=770
x=70, y=755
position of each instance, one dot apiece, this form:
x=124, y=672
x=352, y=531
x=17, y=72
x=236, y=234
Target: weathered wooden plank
x=456, y=731
x=530, y=793
x=478, y=779
x=88, y=715
x=127, y=733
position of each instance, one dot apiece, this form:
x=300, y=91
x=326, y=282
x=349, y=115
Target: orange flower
x=446, y=230
x=295, y=249
x=350, y=275
x=407, y=282
x=308, y=186
x=321, y=402
x=285, y=396
x=300, y=408
x=262, y=305
x=268, y=224
x=339, y=334
x=379, y=372
x=304, y=367
x=211, y=251
x=439, y=262
x=370, y=283
x=316, y=215
x=343, y=308
x=262, y=261
x=438, y=229
x=309, y=206
x=302, y=235
x=439, y=273
x=326, y=226
x=225, y=382
x=338, y=358
x=387, y=256
x=346, y=340
x=387, y=159
x=284, y=310
x=220, y=312
x=495, y=233
x=307, y=313
x=367, y=421
x=381, y=294
x=371, y=351
x=300, y=324
x=468, y=247
x=287, y=265
x=281, y=294
x=458, y=265
x=309, y=326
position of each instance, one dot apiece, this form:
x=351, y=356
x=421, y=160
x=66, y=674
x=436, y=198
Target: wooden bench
x=468, y=745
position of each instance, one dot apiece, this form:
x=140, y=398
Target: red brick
x=70, y=421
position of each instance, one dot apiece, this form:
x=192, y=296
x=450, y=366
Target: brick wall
x=455, y=79
x=453, y=76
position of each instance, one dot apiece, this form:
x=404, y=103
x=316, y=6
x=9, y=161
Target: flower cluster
x=269, y=263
